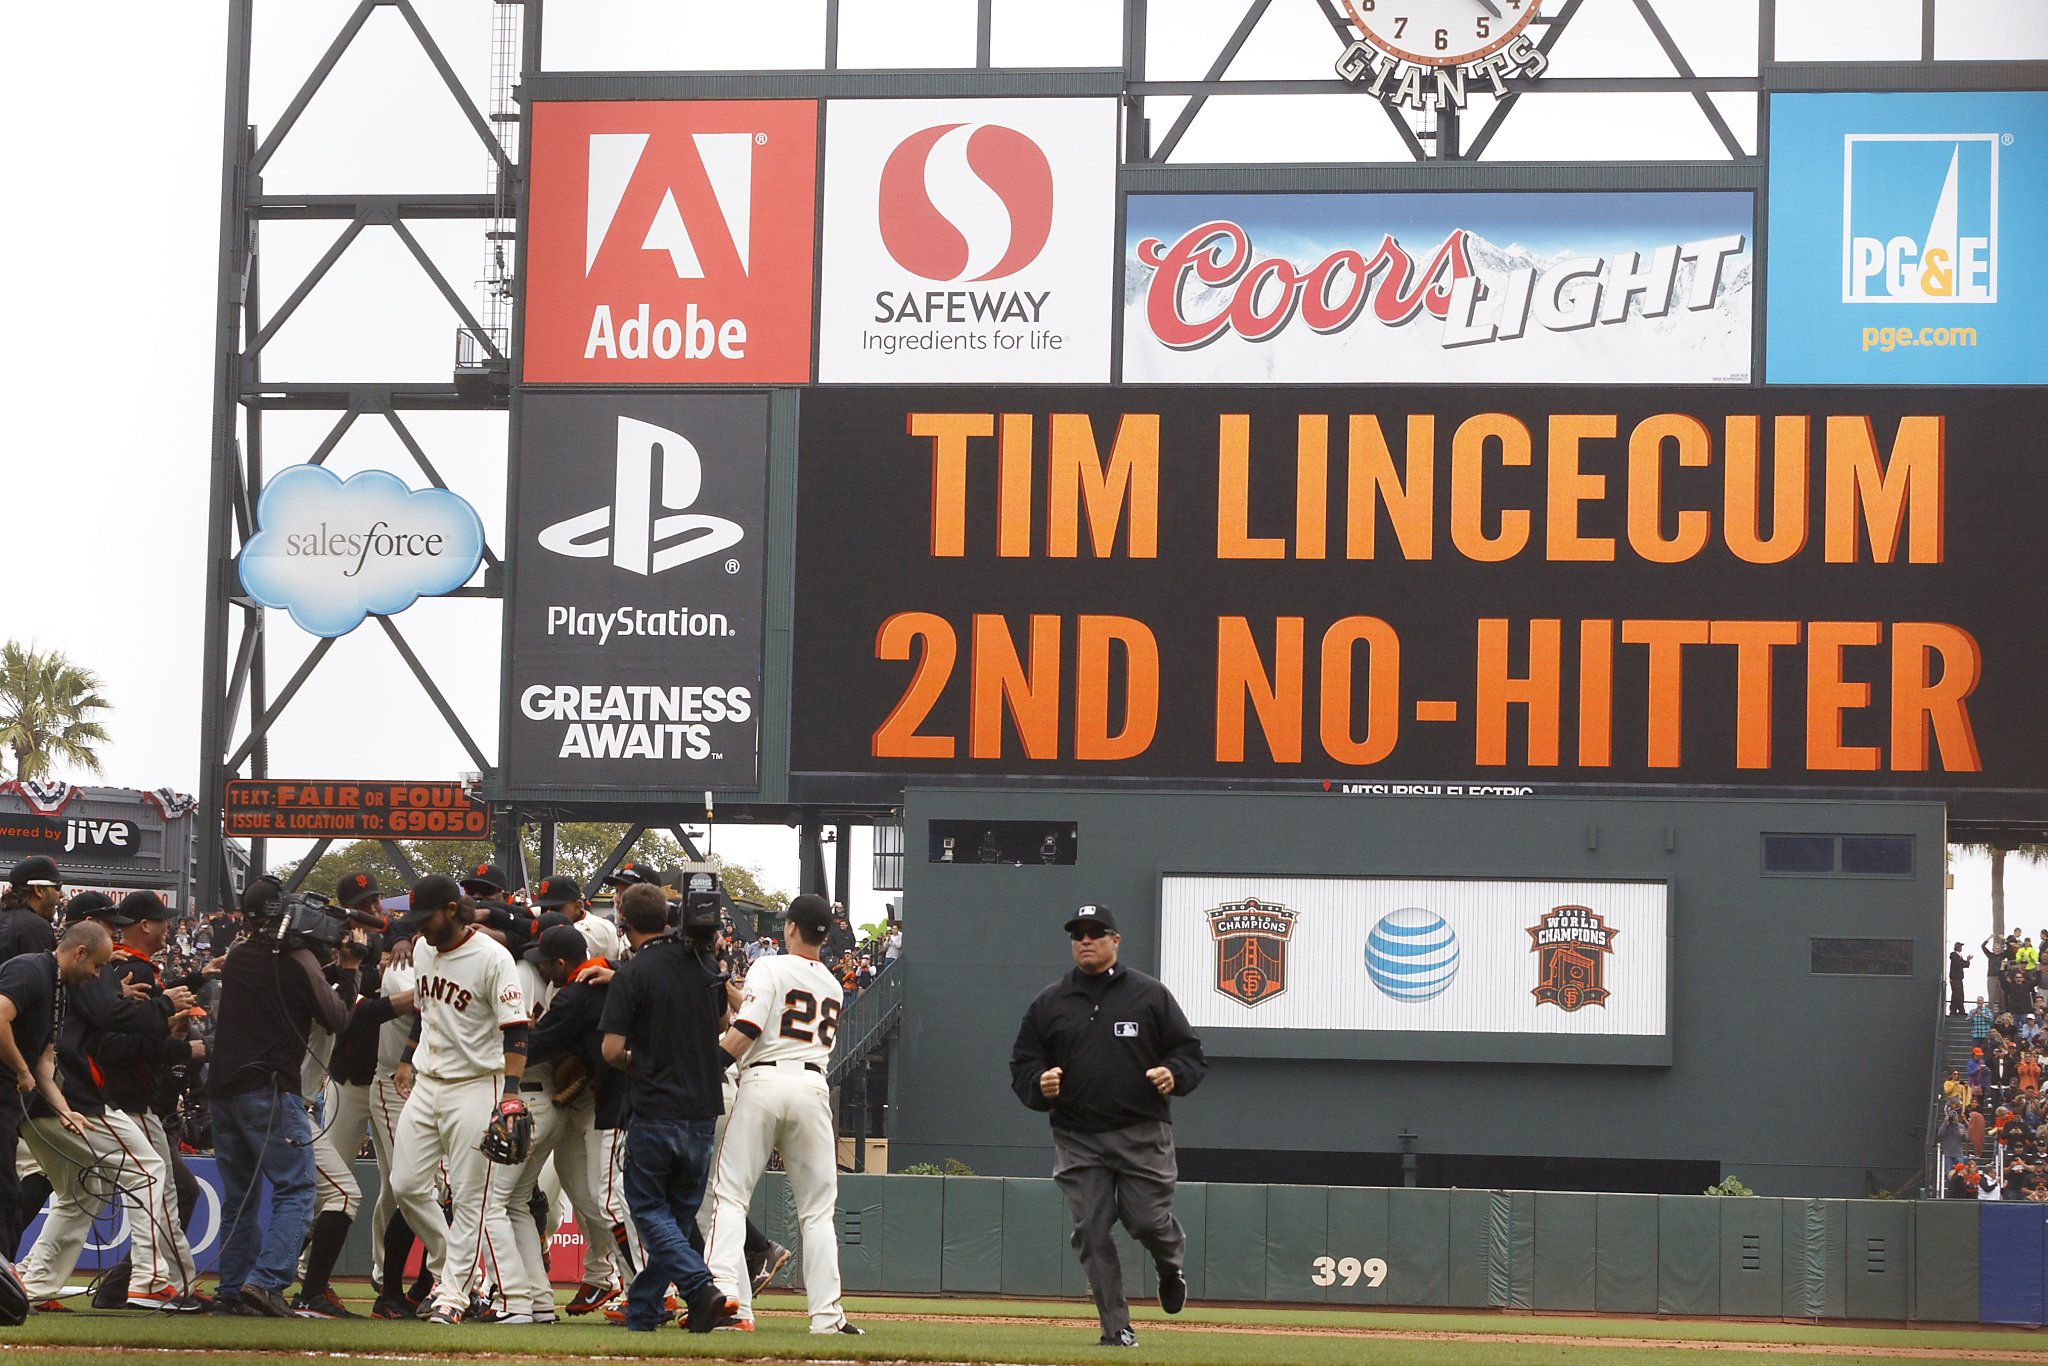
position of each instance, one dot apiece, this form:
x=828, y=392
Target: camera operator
x=272, y=993
x=660, y=1024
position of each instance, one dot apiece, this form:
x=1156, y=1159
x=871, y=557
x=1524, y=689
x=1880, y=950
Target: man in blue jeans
x=270, y=998
x=661, y=1021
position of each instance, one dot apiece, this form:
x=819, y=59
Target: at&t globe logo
x=1411, y=954
x=963, y=201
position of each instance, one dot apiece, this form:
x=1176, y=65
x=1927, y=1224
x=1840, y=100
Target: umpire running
x=1103, y=1048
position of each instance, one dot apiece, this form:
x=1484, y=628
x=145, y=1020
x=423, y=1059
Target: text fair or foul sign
x=669, y=242
x=306, y=808
x=968, y=240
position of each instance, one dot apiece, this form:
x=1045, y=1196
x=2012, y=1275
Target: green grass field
x=1029, y=1332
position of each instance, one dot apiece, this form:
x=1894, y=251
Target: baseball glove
x=571, y=1076
x=509, y=1138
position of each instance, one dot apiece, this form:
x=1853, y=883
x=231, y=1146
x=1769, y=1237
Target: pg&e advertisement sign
x=640, y=561
x=1901, y=231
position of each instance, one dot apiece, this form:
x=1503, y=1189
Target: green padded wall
x=1625, y=1254
x=1567, y=1229
x=1880, y=1262
x=1945, y=1260
x=1752, y=1257
x=1035, y=1229
x=1297, y=1232
x=1688, y=1255
x=1358, y=1230
x=1471, y=1279
x=862, y=1231
x=1235, y=1255
x=971, y=1259
x=1418, y=1247
x=914, y=1235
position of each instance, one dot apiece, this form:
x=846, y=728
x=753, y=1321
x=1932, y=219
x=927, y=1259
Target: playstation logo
x=646, y=529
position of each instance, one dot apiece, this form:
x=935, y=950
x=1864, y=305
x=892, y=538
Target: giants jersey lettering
x=791, y=1010
x=467, y=997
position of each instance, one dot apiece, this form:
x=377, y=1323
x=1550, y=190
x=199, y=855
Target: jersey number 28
x=800, y=1015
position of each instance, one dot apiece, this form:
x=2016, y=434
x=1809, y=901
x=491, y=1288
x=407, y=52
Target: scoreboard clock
x=1429, y=54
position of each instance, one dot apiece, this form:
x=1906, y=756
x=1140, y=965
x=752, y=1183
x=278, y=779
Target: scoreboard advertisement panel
x=1811, y=589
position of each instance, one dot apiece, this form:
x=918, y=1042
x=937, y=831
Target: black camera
x=302, y=920
x=703, y=898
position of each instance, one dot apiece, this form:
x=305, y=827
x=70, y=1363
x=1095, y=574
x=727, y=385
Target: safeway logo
x=656, y=477
x=671, y=242
x=963, y=201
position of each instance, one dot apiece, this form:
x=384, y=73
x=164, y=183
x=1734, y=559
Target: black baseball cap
x=485, y=879
x=1092, y=914
x=429, y=894
x=626, y=874
x=94, y=906
x=810, y=912
x=260, y=893
x=355, y=888
x=559, y=890
x=37, y=870
x=144, y=906
x=558, y=943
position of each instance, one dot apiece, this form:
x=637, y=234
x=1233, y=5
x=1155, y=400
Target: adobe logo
x=671, y=242
x=968, y=202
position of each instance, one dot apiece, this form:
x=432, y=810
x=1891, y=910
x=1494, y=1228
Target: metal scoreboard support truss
x=1165, y=116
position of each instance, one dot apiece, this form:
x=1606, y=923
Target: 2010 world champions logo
x=1572, y=945
x=1251, y=948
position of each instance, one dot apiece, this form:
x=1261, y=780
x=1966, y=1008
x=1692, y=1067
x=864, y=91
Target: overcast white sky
x=110, y=265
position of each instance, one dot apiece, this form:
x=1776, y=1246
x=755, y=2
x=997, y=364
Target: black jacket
x=103, y=1037
x=1104, y=1050
x=568, y=1028
x=23, y=931
x=142, y=1072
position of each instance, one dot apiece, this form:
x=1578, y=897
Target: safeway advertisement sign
x=670, y=242
x=968, y=240
x=1592, y=287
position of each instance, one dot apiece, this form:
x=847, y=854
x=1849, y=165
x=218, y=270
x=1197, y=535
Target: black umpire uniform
x=1101, y=1049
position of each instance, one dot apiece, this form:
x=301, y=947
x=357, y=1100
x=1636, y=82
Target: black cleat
x=1173, y=1291
x=1126, y=1338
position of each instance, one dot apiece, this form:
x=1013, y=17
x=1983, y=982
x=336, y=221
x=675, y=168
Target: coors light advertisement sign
x=1648, y=288
x=635, y=622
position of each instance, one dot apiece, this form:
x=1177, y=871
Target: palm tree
x=46, y=710
x=2032, y=853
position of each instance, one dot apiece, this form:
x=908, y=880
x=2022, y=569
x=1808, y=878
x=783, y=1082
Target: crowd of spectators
x=1993, y=1135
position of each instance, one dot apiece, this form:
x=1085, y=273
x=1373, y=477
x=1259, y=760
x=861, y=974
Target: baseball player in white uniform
x=782, y=1036
x=466, y=1060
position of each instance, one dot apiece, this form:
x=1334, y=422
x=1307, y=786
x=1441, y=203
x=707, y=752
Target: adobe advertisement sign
x=1902, y=229
x=635, y=621
x=968, y=240
x=1557, y=288
x=669, y=242
x=1370, y=586
x=1386, y=956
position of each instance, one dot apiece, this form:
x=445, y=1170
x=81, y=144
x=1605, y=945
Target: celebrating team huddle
x=499, y=1059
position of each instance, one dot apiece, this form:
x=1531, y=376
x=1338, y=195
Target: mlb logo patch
x=1127, y=1029
x=1920, y=218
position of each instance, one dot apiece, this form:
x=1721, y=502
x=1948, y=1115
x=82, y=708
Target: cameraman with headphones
x=272, y=994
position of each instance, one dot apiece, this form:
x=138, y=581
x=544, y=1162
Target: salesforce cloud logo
x=333, y=551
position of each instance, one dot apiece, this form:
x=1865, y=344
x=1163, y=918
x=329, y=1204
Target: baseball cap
x=37, y=870
x=810, y=912
x=144, y=906
x=355, y=888
x=562, y=943
x=429, y=894
x=485, y=879
x=94, y=906
x=1092, y=914
x=260, y=893
x=559, y=890
x=626, y=874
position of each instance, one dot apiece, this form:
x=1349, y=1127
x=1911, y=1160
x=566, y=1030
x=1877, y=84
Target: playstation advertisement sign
x=635, y=620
